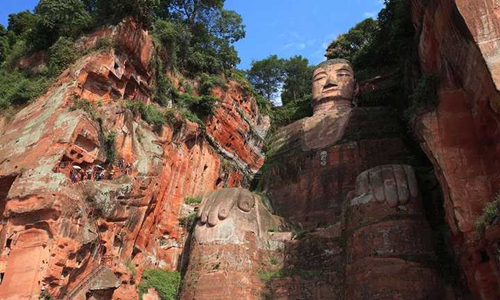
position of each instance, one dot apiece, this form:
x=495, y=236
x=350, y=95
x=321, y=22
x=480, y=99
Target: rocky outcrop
x=91, y=195
x=458, y=41
x=228, y=245
x=68, y=232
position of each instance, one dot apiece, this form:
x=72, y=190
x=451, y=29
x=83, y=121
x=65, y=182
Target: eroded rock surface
x=229, y=243
x=343, y=179
x=69, y=234
x=458, y=41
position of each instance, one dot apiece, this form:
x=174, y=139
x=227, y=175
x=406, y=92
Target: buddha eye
x=319, y=78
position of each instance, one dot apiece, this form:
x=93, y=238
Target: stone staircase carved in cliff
x=87, y=282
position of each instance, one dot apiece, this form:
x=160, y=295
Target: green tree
x=267, y=76
x=355, y=42
x=227, y=25
x=4, y=44
x=212, y=31
x=298, y=76
x=191, y=11
x=115, y=11
x=175, y=38
x=22, y=22
x=62, y=18
x=374, y=45
x=4, y=48
x=62, y=54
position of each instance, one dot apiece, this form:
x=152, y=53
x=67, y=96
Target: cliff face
x=67, y=235
x=65, y=232
x=459, y=41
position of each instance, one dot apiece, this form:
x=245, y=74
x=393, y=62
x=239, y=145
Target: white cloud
x=295, y=35
x=370, y=14
x=297, y=46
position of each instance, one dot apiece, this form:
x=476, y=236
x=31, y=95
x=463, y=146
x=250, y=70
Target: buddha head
x=334, y=87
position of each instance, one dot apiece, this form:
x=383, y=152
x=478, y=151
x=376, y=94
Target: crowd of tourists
x=97, y=172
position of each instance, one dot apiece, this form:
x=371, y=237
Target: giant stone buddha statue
x=344, y=167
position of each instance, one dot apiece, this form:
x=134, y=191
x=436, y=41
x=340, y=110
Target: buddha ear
x=355, y=95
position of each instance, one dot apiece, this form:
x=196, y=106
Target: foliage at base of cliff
x=166, y=284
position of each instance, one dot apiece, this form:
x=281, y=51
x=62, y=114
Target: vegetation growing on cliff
x=46, y=296
x=491, y=212
x=424, y=96
x=291, y=77
x=378, y=46
x=191, y=201
x=166, y=284
x=17, y=88
x=196, y=36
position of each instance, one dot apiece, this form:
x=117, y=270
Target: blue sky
x=282, y=27
x=296, y=27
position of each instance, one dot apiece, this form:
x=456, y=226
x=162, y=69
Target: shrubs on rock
x=18, y=89
x=148, y=112
x=46, y=296
x=62, y=54
x=424, y=97
x=191, y=201
x=490, y=213
x=166, y=284
x=86, y=106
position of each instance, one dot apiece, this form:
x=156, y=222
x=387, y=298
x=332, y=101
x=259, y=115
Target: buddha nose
x=331, y=82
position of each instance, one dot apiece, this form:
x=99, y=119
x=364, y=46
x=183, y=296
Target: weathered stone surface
x=311, y=267
x=391, y=278
x=385, y=221
x=72, y=232
x=151, y=295
x=310, y=185
x=458, y=42
x=345, y=170
x=228, y=244
x=349, y=165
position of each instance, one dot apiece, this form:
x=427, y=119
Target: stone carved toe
x=392, y=184
x=246, y=201
x=217, y=205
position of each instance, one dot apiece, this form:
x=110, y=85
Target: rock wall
x=69, y=234
x=310, y=185
x=66, y=233
x=459, y=41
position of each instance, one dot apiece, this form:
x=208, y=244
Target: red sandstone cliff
x=459, y=41
x=73, y=237
x=68, y=237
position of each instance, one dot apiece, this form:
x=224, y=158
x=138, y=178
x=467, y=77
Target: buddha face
x=332, y=83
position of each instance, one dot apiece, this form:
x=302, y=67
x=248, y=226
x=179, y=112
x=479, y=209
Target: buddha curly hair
x=334, y=61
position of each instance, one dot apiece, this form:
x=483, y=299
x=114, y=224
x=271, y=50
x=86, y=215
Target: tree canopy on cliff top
x=204, y=30
x=197, y=36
